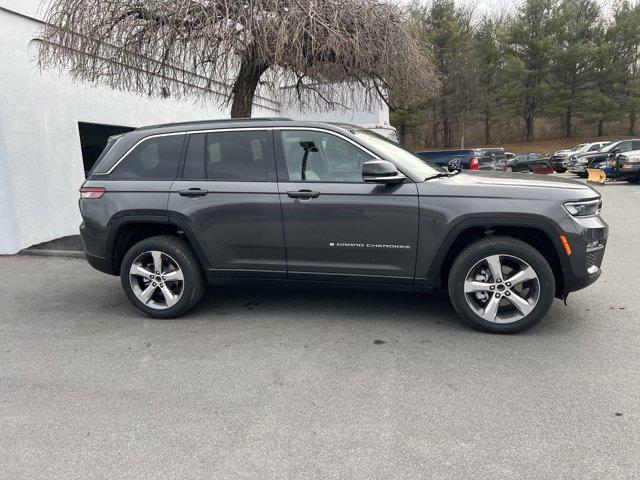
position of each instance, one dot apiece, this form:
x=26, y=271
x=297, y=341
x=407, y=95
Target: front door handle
x=193, y=192
x=303, y=194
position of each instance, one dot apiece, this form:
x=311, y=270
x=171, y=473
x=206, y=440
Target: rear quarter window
x=156, y=158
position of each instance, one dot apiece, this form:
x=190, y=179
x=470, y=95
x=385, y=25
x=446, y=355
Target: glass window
x=242, y=156
x=194, y=158
x=624, y=147
x=321, y=157
x=154, y=159
x=402, y=157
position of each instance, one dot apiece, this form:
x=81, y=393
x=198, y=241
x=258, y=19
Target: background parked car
x=579, y=163
x=469, y=159
x=628, y=166
x=560, y=159
x=531, y=162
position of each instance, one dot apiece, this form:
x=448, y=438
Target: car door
x=227, y=195
x=536, y=162
x=519, y=163
x=336, y=226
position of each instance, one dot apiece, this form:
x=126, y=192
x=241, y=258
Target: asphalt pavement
x=312, y=383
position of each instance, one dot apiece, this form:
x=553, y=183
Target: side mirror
x=381, y=171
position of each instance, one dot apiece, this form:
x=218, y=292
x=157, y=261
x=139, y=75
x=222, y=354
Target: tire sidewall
x=178, y=254
x=503, y=246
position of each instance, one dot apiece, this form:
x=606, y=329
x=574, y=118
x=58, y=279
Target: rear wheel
x=162, y=277
x=501, y=285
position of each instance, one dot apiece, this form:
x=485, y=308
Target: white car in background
x=561, y=158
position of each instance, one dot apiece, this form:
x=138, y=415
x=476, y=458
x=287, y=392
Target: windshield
x=610, y=147
x=396, y=152
x=581, y=148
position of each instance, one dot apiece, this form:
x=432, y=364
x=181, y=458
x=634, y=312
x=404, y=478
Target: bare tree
x=322, y=49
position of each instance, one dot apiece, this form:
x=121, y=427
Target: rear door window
x=240, y=156
x=154, y=159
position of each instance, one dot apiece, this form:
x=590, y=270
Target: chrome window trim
x=239, y=129
x=183, y=132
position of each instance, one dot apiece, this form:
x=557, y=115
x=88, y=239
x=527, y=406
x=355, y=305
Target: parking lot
x=308, y=383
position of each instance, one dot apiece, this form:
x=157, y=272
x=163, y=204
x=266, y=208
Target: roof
x=215, y=121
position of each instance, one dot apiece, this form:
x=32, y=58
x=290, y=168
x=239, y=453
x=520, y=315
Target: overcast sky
x=489, y=6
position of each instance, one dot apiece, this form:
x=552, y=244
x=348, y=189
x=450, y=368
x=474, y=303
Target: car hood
x=508, y=185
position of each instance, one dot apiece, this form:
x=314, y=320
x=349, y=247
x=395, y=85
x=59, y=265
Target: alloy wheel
x=502, y=288
x=156, y=280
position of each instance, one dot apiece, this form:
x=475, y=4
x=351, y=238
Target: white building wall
x=41, y=165
x=359, y=115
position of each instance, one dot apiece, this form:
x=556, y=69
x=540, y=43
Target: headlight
x=583, y=209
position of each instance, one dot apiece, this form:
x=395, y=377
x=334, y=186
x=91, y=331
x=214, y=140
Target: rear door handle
x=193, y=192
x=303, y=194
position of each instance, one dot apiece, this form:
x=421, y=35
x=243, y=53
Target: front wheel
x=501, y=285
x=162, y=277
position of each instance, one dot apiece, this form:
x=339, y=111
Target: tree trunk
x=528, y=120
x=446, y=129
x=567, y=123
x=402, y=132
x=632, y=123
x=601, y=128
x=487, y=129
x=244, y=88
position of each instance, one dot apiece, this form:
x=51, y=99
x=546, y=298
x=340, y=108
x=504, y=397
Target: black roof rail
x=217, y=120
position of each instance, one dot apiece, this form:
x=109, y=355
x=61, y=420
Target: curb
x=53, y=253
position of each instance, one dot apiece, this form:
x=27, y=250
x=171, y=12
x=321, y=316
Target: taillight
x=473, y=165
x=94, y=192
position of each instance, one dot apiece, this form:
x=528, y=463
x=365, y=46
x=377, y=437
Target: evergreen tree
x=448, y=30
x=488, y=52
x=529, y=45
x=572, y=72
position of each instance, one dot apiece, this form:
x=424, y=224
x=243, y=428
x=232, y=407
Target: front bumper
x=588, y=240
x=628, y=170
x=581, y=168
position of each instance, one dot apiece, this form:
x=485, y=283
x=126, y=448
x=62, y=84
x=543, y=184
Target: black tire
x=484, y=248
x=560, y=170
x=633, y=180
x=194, y=285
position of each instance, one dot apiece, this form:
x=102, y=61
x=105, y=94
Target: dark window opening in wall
x=93, y=139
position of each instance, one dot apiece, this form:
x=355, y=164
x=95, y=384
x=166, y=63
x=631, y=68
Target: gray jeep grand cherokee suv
x=172, y=207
